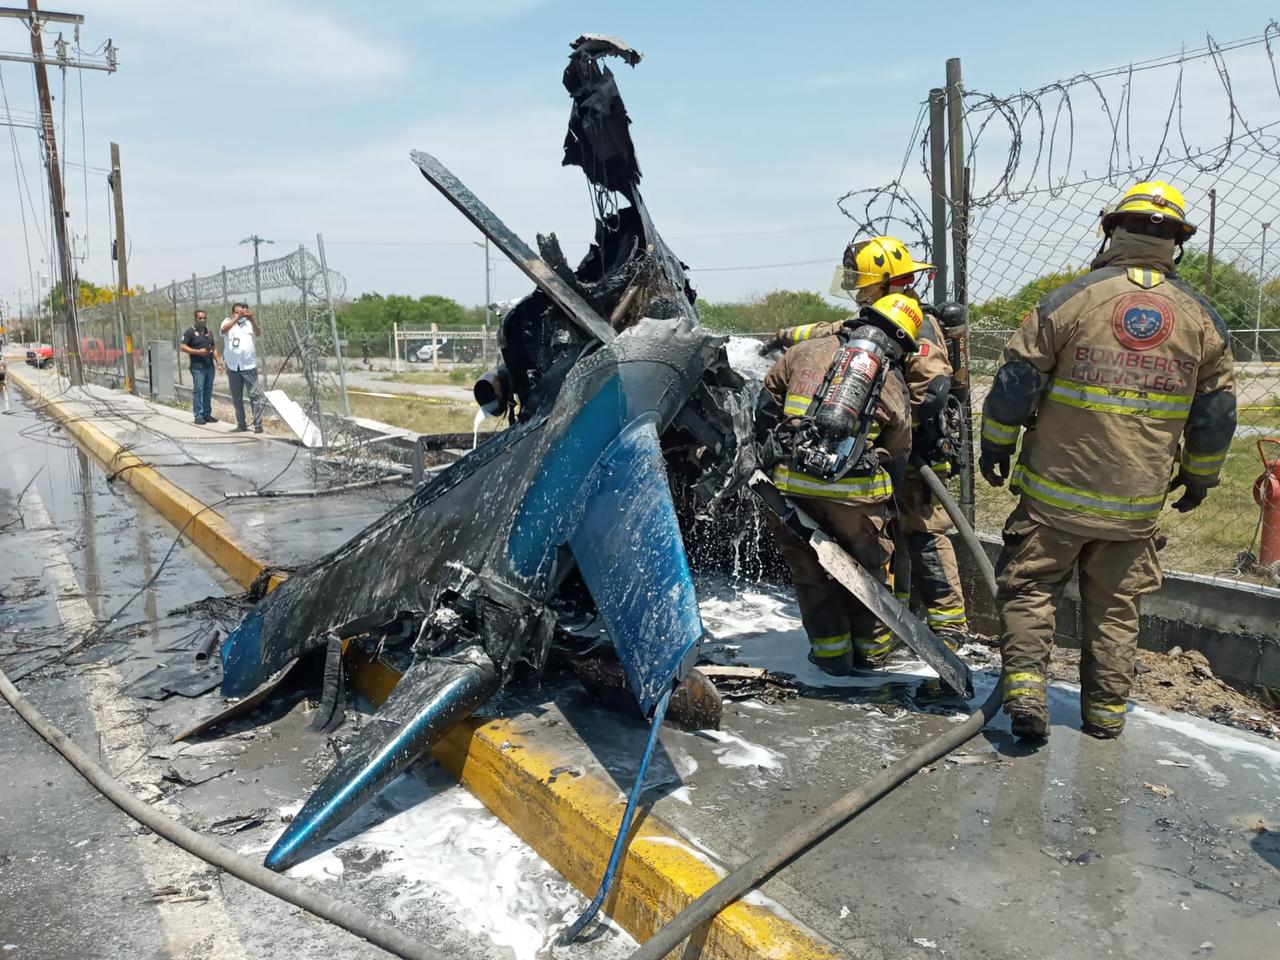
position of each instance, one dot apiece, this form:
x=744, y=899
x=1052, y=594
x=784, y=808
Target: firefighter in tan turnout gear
x=855, y=509
x=1123, y=380
x=872, y=269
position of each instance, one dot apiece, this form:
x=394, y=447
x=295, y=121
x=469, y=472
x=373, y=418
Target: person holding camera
x=239, y=332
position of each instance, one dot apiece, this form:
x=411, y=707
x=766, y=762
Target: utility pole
x=70, y=288
x=257, y=241
x=938, y=174
x=122, y=271
x=960, y=257
x=487, y=296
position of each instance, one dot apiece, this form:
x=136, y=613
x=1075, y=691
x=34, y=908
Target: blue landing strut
x=620, y=841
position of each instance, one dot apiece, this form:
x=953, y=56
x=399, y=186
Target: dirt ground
x=1181, y=680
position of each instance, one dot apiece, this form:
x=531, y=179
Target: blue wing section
x=629, y=549
x=242, y=656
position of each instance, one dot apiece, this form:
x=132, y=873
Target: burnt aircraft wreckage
x=610, y=386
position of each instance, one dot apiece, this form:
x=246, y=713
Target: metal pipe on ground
x=794, y=843
x=291, y=891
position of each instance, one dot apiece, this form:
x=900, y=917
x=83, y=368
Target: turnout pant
x=835, y=622
x=1034, y=567
x=239, y=381
x=935, y=575
x=202, y=392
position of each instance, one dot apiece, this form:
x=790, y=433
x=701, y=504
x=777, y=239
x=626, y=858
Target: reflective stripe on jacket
x=1127, y=359
x=788, y=391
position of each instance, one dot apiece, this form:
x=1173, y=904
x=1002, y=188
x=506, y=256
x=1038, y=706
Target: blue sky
x=285, y=118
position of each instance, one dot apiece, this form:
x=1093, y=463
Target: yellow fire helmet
x=899, y=316
x=1151, y=198
x=869, y=262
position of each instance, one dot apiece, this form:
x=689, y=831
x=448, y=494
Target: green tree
x=1009, y=311
x=1235, y=291
x=773, y=311
x=374, y=313
x=90, y=295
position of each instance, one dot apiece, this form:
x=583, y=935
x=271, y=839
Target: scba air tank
x=854, y=372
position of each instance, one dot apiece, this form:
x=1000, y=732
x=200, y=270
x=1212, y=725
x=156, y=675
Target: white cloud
x=283, y=40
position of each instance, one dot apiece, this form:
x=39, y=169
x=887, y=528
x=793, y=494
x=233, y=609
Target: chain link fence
x=294, y=299
x=1042, y=164
x=1019, y=250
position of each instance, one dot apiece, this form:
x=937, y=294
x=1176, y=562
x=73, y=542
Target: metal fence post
x=333, y=325
x=177, y=331
x=1257, y=323
x=1213, y=222
x=305, y=356
x=395, y=345
x=435, y=347
x=959, y=243
x=938, y=178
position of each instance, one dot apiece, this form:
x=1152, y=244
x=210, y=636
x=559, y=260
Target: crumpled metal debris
x=611, y=379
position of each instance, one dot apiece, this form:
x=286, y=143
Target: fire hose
x=794, y=843
x=319, y=904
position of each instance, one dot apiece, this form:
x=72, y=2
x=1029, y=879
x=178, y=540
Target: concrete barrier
x=1235, y=625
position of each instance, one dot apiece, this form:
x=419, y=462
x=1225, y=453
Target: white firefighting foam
x=744, y=357
x=447, y=855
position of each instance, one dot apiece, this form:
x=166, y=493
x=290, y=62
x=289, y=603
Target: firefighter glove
x=1193, y=493
x=770, y=345
x=994, y=467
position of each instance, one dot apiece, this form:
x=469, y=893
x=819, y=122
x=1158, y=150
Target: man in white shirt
x=238, y=354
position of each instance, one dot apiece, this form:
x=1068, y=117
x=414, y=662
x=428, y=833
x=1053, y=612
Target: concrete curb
x=570, y=820
x=202, y=526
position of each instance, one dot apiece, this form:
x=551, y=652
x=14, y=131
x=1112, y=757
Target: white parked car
x=424, y=353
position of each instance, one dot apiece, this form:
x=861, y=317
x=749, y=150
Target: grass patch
x=458, y=375
x=420, y=415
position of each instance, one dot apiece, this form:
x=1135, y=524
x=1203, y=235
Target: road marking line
x=191, y=929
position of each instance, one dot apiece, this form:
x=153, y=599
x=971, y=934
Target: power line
x=766, y=266
x=20, y=174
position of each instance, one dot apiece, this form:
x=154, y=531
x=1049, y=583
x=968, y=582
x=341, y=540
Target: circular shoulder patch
x=1142, y=321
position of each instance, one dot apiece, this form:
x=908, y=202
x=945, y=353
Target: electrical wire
x=315, y=902
x=20, y=175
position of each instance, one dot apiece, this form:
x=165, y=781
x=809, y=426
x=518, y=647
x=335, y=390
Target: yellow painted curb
x=202, y=526
x=570, y=820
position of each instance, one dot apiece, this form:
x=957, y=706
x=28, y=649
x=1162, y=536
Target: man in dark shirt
x=199, y=344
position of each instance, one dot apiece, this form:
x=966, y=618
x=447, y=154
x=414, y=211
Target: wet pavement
x=79, y=879
x=1165, y=843
x=1162, y=844
x=210, y=461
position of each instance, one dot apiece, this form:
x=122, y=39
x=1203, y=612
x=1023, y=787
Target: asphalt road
x=81, y=881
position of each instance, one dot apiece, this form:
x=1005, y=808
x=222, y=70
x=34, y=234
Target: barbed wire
x=295, y=272
x=1043, y=163
x=1041, y=151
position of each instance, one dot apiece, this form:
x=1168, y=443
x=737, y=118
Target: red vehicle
x=41, y=356
x=95, y=352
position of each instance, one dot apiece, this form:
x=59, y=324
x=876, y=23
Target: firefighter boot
x=1027, y=719
x=872, y=651
x=839, y=665
x=1026, y=703
x=1103, y=732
